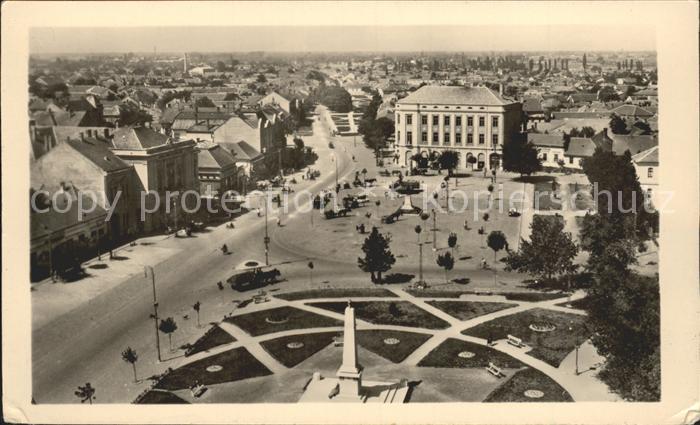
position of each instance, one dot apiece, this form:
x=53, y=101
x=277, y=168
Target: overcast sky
x=350, y=38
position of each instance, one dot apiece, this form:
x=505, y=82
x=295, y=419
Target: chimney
x=500, y=89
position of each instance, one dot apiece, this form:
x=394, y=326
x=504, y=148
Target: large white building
x=474, y=121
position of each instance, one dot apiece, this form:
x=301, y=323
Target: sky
x=341, y=38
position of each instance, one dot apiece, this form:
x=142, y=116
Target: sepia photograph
x=314, y=211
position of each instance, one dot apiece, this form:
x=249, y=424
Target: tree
x=520, y=156
x=196, y=306
x=130, y=356
x=394, y=309
x=472, y=160
x=449, y=161
x=86, y=393
x=168, y=326
x=496, y=241
x=335, y=98
x=204, y=102
x=261, y=78
x=618, y=125
x=549, y=252
x=378, y=257
x=607, y=94
x=452, y=241
x=447, y=262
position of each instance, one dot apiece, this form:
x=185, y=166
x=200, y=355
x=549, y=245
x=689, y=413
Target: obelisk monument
x=350, y=372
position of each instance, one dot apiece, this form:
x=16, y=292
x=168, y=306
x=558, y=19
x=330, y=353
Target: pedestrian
x=483, y=263
x=466, y=225
x=224, y=249
x=258, y=212
x=279, y=222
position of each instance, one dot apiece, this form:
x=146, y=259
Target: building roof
x=455, y=95
x=649, y=156
x=633, y=143
x=97, y=151
x=137, y=138
x=581, y=147
x=214, y=156
x=242, y=151
x=632, y=111
x=546, y=140
x=532, y=105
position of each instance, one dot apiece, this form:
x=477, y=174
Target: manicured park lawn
x=160, y=397
x=236, y=364
x=378, y=312
x=336, y=293
x=447, y=355
x=514, y=389
x=435, y=293
x=513, y=296
x=581, y=303
x=543, y=199
x=550, y=347
x=465, y=310
x=214, y=337
x=374, y=341
x=290, y=357
x=281, y=319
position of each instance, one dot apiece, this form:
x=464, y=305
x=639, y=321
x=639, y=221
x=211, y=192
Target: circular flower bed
x=295, y=345
x=391, y=341
x=215, y=368
x=466, y=354
x=533, y=394
x=543, y=327
x=276, y=320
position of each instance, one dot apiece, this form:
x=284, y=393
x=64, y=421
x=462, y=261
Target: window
x=470, y=138
x=424, y=137
x=571, y=160
x=482, y=121
x=470, y=121
x=447, y=120
x=436, y=119
x=556, y=157
x=481, y=139
x=398, y=135
x=409, y=137
x=409, y=119
x=446, y=140
x=494, y=139
x=458, y=121
x=544, y=156
x=494, y=121
x=398, y=118
x=435, y=138
x=650, y=172
x=424, y=119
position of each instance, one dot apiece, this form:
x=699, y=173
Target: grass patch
x=381, y=313
x=236, y=364
x=373, y=340
x=285, y=318
x=533, y=296
x=550, y=347
x=465, y=310
x=336, y=293
x=446, y=355
x=290, y=357
x=528, y=379
x=214, y=337
x=160, y=397
x=544, y=199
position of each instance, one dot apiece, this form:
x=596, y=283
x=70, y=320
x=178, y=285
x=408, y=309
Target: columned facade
x=472, y=121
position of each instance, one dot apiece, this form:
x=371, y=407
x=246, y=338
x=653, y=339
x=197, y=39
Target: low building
x=581, y=148
x=550, y=148
x=646, y=165
x=217, y=170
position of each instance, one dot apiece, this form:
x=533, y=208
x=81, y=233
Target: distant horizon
x=342, y=39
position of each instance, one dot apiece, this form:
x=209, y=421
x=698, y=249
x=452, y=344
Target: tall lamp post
x=334, y=158
x=154, y=316
x=48, y=233
x=266, y=240
x=434, y=230
x=418, y=230
x=571, y=329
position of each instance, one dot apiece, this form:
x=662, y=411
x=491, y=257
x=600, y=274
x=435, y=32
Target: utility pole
x=154, y=316
x=434, y=230
x=53, y=279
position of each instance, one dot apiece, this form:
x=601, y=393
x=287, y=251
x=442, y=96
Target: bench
x=338, y=341
x=516, y=342
x=494, y=370
x=198, y=390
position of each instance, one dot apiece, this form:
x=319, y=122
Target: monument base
x=324, y=390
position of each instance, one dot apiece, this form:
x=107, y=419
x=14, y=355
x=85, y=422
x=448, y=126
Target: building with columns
x=474, y=121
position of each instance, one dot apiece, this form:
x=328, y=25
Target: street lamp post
x=154, y=316
x=434, y=230
x=266, y=240
x=420, y=255
x=571, y=329
x=334, y=158
x=53, y=279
